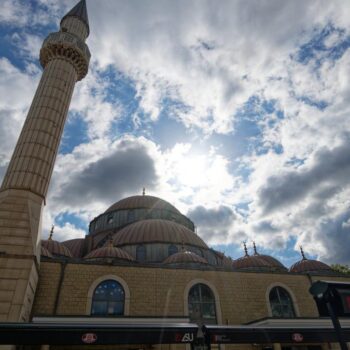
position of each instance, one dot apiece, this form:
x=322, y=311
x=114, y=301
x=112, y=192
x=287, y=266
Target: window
x=110, y=218
x=108, y=299
x=201, y=305
x=281, y=303
x=131, y=216
x=172, y=250
x=141, y=253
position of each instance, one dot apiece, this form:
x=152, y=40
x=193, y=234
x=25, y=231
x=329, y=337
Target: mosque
x=141, y=265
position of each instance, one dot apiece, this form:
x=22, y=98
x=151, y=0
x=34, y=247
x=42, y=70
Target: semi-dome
x=144, y=202
x=109, y=252
x=75, y=246
x=156, y=230
x=306, y=265
x=45, y=252
x=185, y=257
x=56, y=248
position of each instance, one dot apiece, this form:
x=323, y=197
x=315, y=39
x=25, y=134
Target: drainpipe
x=58, y=293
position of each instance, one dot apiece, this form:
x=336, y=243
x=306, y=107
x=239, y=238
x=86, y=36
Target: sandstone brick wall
x=157, y=291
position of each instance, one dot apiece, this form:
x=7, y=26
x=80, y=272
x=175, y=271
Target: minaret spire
x=79, y=11
x=65, y=58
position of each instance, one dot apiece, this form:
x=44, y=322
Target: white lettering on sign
x=187, y=337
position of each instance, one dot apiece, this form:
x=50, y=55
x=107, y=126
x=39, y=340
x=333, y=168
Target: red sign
x=347, y=298
x=297, y=337
x=89, y=338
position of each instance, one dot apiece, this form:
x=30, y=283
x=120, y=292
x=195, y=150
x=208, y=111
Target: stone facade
x=65, y=290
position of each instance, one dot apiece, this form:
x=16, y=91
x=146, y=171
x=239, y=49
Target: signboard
x=268, y=335
x=97, y=334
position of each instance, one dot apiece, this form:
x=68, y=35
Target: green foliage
x=341, y=268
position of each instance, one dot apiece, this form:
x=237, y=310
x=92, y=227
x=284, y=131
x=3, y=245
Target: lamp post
x=329, y=293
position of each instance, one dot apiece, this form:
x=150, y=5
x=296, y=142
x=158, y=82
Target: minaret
x=64, y=57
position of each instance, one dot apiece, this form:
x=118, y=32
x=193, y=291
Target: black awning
x=267, y=335
x=77, y=334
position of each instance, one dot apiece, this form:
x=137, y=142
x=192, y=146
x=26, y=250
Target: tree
x=341, y=268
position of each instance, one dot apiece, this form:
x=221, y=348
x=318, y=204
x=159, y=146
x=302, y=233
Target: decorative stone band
x=69, y=47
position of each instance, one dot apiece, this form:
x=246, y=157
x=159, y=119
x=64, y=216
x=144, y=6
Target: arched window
x=201, y=304
x=172, y=249
x=141, y=253
x=108, y=299
x=281, y=303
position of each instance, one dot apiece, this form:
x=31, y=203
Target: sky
x=236, y=112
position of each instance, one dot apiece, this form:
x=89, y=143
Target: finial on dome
x=51, y=232
x=245, y=249
x=302, y=252
x=143, y=191
x=254, y=247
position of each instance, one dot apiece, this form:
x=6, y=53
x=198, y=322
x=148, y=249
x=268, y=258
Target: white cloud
x=210, y=59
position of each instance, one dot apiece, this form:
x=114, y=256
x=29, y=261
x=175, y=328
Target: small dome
x=75, y=246
x=45, y=252
x=274, y=263
x=185, y=257
x=306, y=265
x=109, y=252
x=156, y=230
x=250, y=262
x=225, y=260
x=56, y=248
x=146, y=202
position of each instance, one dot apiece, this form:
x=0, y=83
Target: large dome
x=155, y=230
x=145, y=202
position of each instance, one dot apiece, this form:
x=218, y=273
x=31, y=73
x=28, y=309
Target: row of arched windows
x=109, y=299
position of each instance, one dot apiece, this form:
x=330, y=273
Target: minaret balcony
x=69, y=46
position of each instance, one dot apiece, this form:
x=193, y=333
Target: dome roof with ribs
x=45, y=252
x=270, y=260
x=185, y=257
x=75, y=246
x=145, y=202
x=109, y=252
x=306, y=265
x=156, y=230
x=56, y=248
x=250, y=262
